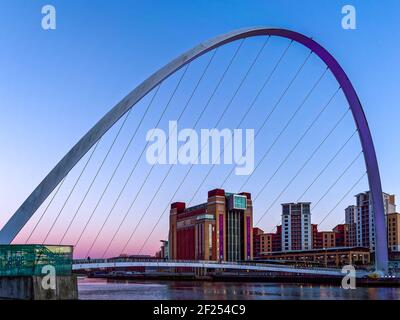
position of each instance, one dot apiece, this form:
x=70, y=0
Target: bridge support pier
x=37, y=272
x=36, y=288
x=200, y=272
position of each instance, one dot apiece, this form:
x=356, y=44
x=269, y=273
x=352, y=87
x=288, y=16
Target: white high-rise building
x=296, y=226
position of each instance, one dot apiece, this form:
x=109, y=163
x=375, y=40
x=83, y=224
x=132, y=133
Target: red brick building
x=264, y=243
x=257, y=232
x=314, y=230
x=219, y=229
x=342, y=235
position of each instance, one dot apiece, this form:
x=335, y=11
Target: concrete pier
x=37, y=272
x=31, y=288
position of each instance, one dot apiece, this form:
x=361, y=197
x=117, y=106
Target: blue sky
x=54, y=85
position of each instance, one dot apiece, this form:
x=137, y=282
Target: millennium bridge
x=95, y=264
x=68, y=225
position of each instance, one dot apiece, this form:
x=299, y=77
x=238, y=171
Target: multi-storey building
x=296, y=226
x=219, y=229
x=257, y=232
x=365, y=224
x=393, y=227
x=324, y=257
x=277, y=239
x=350, y=220
x=342, y=235
x=314, y=230
x=326, y=239
x=265, y=243
x=337, y=238
x=163, y=252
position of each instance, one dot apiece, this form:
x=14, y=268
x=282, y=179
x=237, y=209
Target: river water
x=99, y=289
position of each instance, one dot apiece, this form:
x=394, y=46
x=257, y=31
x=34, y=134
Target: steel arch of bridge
x=49, y=183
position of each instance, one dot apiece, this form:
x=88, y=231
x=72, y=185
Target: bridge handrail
x=116, y=260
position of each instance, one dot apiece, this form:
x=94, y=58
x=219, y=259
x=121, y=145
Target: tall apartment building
x=393, y=227
x=219, y=229
x=350, y=220
x=296, y=226
x=364, y=218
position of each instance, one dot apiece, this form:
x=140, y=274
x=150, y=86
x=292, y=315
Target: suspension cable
x=152, y=167
x=300, y=170
x=267, y=80
x=97, y=173
x=71, y=191
x=344, y=196
x=266, y=153
x=123, y=156
x=337, y=180
x=273, y=108
x=195, y=125
x=44, y=211
x=134, y=167
x=326, y=166
x=180, y=185
x=168, y=103
x=340, y=176
x=297, y=144
x=148, y=174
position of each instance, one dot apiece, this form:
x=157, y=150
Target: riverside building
x=220, y=229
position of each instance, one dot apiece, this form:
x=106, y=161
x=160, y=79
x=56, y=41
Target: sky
x=56, y=84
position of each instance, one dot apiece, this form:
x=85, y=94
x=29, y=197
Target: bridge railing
x=252, y=264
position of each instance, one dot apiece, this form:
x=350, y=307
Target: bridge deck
x=103, y=263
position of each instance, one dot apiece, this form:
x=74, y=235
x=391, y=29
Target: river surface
x=99, y=289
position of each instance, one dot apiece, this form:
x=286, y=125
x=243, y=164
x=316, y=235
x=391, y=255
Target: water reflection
x=197, y=290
